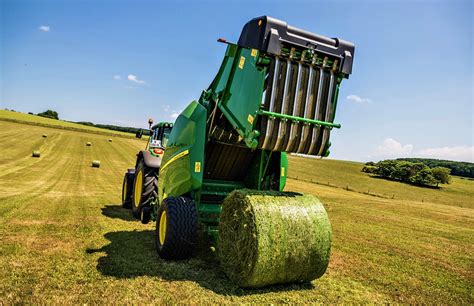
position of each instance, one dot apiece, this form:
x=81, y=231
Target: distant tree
x=465, y=169
x=441, y=175
x=49, y=114
x=370, y=163
x=30, y=113
x=415, y=173
x=369, y=169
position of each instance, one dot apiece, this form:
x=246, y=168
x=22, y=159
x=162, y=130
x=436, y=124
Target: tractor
x=139, y=188
x=275, y=93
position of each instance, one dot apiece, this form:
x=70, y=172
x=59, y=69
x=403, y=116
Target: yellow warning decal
x=172, y=159
x=197, y=167
x=242, y=62
x=282, y=171
x=250, y=119
x=254, y=52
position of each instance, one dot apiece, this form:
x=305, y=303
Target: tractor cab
x=159, y=135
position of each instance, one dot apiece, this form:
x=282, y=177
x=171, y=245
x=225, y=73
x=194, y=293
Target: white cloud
x=117, y=77
x=392, y=148
x=134, y=78
x=460, y=153
x=357, y=99
x=44, y=28
x=174, y=115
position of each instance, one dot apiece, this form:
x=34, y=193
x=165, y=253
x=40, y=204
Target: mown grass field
x=65, y=238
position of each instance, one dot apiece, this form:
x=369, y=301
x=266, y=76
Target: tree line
x=464, y=169
x=415, y=173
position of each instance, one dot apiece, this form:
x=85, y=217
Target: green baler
x=276, y=92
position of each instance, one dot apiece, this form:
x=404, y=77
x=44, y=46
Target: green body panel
x=283, y=170
x=180, y=173
x=241, y=100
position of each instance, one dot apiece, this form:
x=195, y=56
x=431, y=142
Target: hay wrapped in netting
x=270, y=238
x=88, y=143
x=36, y=154
x=96, y=163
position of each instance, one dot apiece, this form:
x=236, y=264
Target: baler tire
x=179, y=236
x=149, y=188
x=127, y=189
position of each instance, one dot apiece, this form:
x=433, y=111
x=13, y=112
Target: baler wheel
x=127, y=187
x=176, y=228
x=145, y=187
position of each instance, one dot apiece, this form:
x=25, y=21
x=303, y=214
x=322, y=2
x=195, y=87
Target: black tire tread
x=181, y=232
x=150, y=186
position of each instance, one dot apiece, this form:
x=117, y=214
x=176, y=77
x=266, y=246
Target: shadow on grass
x=117, y=212
x=132, y=254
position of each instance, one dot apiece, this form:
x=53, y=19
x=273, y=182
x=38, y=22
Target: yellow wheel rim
x=137, y=192
x=124, y=191
x=162, y=227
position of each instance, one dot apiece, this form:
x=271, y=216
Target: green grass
x=17, y=117
x=65, y=238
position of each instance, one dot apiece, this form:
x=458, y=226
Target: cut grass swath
x=273, y=237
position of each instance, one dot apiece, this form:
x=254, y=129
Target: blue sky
x=121, y=62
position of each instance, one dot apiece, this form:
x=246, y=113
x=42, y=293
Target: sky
x=121, y=62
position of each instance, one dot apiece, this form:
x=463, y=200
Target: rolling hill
x=66, y=239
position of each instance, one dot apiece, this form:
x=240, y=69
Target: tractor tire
x=176, y=228
x=127, y=187
x=145, y=187
x=145, y=215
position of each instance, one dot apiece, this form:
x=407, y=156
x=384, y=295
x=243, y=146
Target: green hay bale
x=88, y=143
x=96, y=163
x=45, y=135
x=270, y=238
x=36, y=154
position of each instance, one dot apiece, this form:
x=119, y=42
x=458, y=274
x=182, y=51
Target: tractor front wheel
x=176, y=228
x=145, y=187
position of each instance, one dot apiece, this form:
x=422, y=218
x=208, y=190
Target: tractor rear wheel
x=176, y=228
x=145, y=187
x=127, y=188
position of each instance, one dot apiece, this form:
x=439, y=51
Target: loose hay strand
x=273, y=237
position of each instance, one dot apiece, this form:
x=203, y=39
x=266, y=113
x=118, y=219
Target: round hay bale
x=96, y=163
x=271, y=237
x=45, y=135
x=88, y=143
x=110, y=140
x=36, y=154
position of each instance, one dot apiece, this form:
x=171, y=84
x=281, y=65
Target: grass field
x=17, y=117
x=65, y=238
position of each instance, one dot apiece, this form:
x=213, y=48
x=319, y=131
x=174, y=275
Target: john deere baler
x=225, y=165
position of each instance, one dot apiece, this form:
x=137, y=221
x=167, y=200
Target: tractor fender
x=150, y=160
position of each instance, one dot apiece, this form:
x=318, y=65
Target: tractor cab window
x=166, y=135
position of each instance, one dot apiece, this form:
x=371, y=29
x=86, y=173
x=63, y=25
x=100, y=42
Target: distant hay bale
x=36, y=154
x=110, y=140
x=88, y=143
x=45, y=135
x=269, y=238
x=96, y=163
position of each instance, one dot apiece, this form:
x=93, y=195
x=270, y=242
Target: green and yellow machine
x=275, y=93
x=140, y=183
